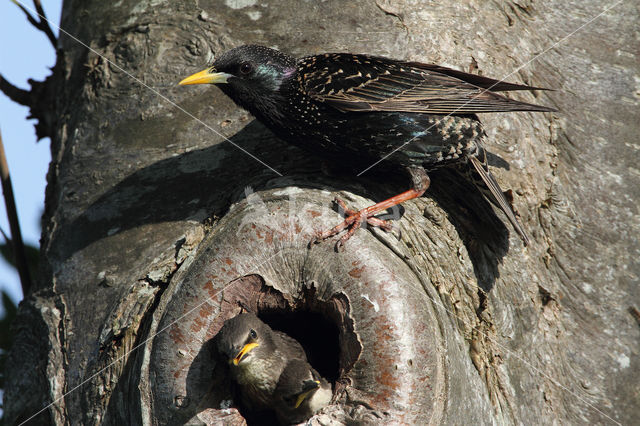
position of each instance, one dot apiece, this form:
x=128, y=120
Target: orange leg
x=354, y=219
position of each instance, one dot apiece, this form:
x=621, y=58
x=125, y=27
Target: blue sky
x=24, y=53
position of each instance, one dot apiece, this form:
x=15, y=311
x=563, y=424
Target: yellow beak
x=245, y=350
x=304, y=395
x=208, y=76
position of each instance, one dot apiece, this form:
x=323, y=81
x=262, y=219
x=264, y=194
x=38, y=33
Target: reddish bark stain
x=356, y=272
x=197, y=325
x=386, y=378
x=314, y=213
x=228, y=261
x=176, y=335
x=210, y=289
x=297, y=227
x=206, y=311
x=269, y=238
x=384, y=332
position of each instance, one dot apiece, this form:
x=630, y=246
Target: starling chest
x=319, y=399
x=306, y=123
x=258, y=380
x=427, y=140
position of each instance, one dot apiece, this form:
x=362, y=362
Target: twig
x=17, y=95
x=45, y=24
x=42, y=23
x=14, y=224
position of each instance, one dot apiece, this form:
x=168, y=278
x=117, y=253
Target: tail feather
x=491, y=190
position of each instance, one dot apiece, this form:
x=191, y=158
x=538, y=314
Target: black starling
x=300, y=393
x=257, y=356
x=359, y=110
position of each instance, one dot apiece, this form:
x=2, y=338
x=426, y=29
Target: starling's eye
x=253, y=334
x=246, y=68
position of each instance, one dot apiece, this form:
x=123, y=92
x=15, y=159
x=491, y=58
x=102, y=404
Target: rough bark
x=152, y=237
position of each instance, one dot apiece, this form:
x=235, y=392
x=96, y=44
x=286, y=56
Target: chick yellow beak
x=208, y=76
x=245, y=350
x=305, y=394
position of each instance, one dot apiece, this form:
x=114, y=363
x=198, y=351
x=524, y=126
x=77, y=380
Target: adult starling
x=300, y=393
x=257, y=356
x=359, y=110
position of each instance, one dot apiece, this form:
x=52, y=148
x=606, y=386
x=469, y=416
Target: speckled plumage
x=359, y=110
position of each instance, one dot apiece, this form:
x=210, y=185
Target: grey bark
x=150, y=242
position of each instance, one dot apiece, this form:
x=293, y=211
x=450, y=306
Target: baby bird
x=257, y=356
x=300, y=393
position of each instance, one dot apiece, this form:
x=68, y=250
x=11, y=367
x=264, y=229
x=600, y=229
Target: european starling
x=300, y=393
x=359, y=110
x=257, y=356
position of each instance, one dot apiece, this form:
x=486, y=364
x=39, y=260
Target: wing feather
x=364, y=83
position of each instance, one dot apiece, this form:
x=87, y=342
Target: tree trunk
x=156, y=229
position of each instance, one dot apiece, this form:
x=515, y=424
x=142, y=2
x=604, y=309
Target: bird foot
x=353, y=220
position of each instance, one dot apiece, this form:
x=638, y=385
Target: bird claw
x=353, y=220
x=343, y=208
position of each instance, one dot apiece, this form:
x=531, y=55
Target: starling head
x=244, y=338
x=249, y=74
x=301, y=392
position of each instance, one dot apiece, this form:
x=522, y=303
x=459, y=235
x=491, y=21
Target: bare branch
x=14, y=223
x=30, y=17
x=20, y=96
x=42, y=24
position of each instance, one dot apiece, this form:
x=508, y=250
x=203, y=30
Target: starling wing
x=367, y=83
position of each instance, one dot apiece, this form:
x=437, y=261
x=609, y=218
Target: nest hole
x=324, y=328
x=319, y=337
